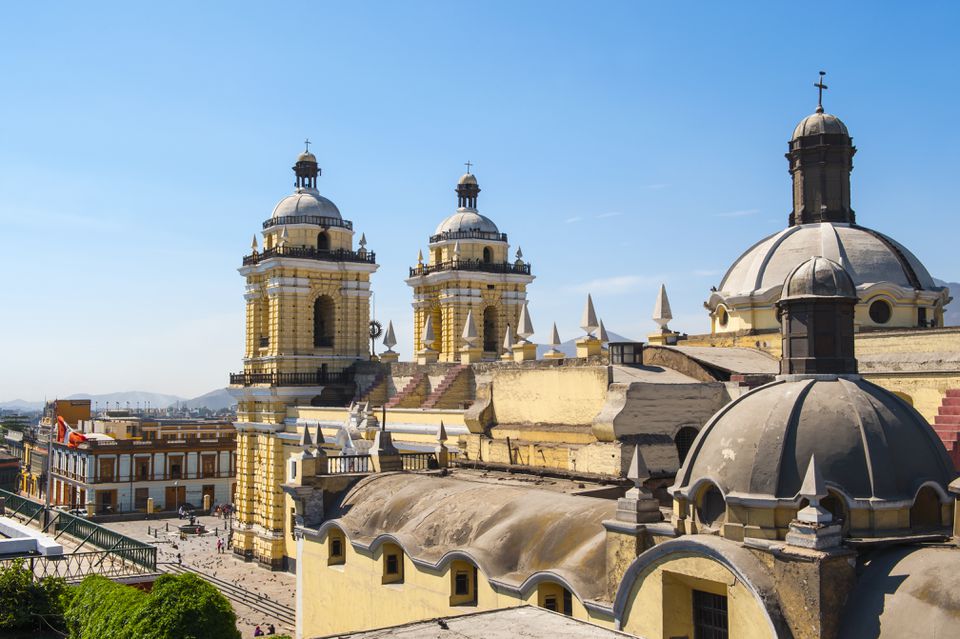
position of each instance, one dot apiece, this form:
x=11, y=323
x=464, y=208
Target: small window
x=487, y=255
x=392, y=564
x=880, y=312
x=335, y=548
x=323, y=242
x=461, y=583
x=550, y=603
x=709, y=615
x=722, y=317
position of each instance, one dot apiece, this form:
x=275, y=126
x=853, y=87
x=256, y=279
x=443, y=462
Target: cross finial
x=468, y=164
x=821, y=86
x=306, y=143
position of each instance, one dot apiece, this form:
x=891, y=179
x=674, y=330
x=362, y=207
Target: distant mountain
x=130, y=399
x=214, y=400
x=22, y=405
x=569, y=347
x=951, y=315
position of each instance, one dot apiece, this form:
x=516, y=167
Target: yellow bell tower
x=467, y=269
x=308, y=314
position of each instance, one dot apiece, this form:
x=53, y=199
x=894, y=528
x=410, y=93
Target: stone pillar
x=524, y=352
x=388, y=357
x=588, y=346
x=471, y=355
x=384, y=456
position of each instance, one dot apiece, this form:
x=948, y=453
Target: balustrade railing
x=418, y=461
x=347, y=464
x=470, y=265
x=468, y=235
x=311, y=253
x=317, y=220
x=291, y=379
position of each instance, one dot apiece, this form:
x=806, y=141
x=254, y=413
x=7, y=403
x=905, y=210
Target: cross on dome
x=820, y=86
x=307, y=143
x=468, y=164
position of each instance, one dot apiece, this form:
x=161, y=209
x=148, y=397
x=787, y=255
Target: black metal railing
x=470, y=265
x=468, y=235
x=311, y=253
x=347, y=464
x=75, y=566
x=419, y=461
x=318, y=220
x=124, y=479
x=291, y=379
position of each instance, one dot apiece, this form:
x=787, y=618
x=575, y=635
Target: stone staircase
x=411, y=395
x=947, y=424
x=451, y=391
x=375, y=392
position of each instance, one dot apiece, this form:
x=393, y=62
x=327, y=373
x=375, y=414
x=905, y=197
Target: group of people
x=223, y=510
x=221, y=545
x=258, y=631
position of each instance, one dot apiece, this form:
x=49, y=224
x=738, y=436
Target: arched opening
x=323, y=241
x=711, y=508
x=722, y=317
x=437, y=256
x=336, y=548
x=925, y=512
x=487, y=255
x=555, y=597
x=880, y=311
x=437, y=313
x=490, y=329
x=323, y=322
x=684, y=441
x=392, y=564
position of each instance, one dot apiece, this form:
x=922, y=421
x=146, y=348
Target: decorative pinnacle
x=363, y=240
x=470, y=335
x=661, y=309
x=284, y=236
x=390, y=338
x=519, y=254
x=588, y=322
x=420, y=256
x=442, y=433
x=555, y=337
x=253, y=245
x=508, y=339
x=638, y=472
x=319, y=439
x=456, y=249
x=604, y=338
x=525, y=325
x=306, y=441
x=427, y=337
x=821, y=86
x=813, y=490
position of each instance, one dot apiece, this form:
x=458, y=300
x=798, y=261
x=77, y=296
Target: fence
x=345, y=464
x=419, y=461
x=120, y=546
x=75, y=566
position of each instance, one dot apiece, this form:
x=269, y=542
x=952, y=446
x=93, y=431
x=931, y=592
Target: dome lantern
x=821, y=159
x=467, y=189
x=306, y=168
x=816, y=310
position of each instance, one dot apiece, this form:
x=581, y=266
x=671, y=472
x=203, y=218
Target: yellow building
x=894, y=288
x=467, y=269
x=786, y=490
x=308, y=314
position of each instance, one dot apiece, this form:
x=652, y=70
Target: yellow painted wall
x=549, y=396
x=660, y=602
x=355, y=591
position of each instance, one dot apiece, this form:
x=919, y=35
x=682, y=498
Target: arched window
x=439, y=340
x=711, y=508
x=463, y=583
x=323, y=322
x=925, y=512
x=490, y=329
x=392, y=564
x=336, y=548
x=880, y=311
x=487, y=255
x=722, y=317
x=684, y=441
x=323, y=241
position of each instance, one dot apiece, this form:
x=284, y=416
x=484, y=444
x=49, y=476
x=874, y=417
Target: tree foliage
x=26, y=604
x=178, y=607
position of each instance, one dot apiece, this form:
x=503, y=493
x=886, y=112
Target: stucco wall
x=549, y=396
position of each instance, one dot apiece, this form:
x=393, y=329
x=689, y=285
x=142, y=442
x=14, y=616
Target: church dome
x=868, y=256
x=818, y=277
x=465, y=220
x=820, y=123
x=306, y=156
x=467, y=178
x=868, y=443
x=306, y=202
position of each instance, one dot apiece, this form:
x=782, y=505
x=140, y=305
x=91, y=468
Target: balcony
x=468, y=235
x=470, y=265
x=318, y=378
x=317, y=220
x=311, y=253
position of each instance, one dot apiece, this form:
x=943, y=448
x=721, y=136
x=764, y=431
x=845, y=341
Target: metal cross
x=468, y=164
x=820, y=85
x=307, y=144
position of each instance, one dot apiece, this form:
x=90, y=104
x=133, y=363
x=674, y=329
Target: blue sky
x=620, y=144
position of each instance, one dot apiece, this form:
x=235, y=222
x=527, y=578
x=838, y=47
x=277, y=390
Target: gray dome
x=307, y=156
x=820, y=123
x=466, y=220
x=306, y=202
x=868, y=257
x=819, y=277
x=467, y=178
x=867, y=441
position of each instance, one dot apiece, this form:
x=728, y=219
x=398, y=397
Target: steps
x=410, y=394
x=947, y=424
x=377, y=386
x=452, y=376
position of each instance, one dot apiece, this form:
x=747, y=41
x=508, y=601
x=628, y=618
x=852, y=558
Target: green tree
x=26, y=604
x=15, y=422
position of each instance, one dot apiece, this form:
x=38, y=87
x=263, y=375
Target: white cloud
x=571, y=220
x=604, y=215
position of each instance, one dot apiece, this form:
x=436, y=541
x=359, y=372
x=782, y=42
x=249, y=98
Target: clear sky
x=620, y=144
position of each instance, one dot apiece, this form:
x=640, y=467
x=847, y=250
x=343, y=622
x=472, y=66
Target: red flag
x=61, y=429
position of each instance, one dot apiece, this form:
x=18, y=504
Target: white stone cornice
x=320, y=266
x=468, y=276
